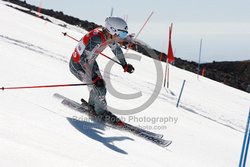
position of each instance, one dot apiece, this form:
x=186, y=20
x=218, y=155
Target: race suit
x=84, y=66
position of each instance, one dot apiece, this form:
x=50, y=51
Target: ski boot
x=89, y=108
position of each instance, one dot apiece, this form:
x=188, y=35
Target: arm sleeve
x=118, y=53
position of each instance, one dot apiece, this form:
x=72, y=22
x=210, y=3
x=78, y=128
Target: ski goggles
x=122, y=34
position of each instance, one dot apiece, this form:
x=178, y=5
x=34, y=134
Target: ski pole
x=65, y=34
x=131, y=44
x=144, y=25
x=110, y=58
x=45, y=86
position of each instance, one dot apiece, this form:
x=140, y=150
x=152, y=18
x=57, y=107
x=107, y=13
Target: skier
x=83, y=63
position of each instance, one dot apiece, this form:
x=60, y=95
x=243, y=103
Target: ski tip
x=170, y=142
x=56, y=95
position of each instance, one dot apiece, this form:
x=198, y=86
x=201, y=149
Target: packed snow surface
x=37, y=130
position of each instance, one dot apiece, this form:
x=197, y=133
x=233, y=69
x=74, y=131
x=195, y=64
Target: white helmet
x=116, y=26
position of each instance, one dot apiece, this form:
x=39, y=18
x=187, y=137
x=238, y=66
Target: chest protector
x=84, y=42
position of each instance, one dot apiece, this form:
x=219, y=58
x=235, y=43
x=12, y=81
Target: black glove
x=128, y=68
x=98, y=82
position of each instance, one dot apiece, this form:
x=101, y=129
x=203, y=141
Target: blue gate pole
x=244, y=151
x=177, y=105
x=247, y=140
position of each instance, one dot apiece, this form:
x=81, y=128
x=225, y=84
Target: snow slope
x=36, y=130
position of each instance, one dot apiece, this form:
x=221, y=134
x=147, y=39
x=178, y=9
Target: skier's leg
x=97, y=97
x=98, y=92
x=77, y=71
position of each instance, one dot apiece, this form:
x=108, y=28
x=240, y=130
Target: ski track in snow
x=36, y=49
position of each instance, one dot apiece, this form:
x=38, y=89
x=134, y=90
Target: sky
x=223, y=25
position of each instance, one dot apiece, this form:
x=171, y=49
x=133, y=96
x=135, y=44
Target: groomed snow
x=36, y=130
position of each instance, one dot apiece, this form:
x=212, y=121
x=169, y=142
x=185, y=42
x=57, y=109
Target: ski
x=134, y=128
x=84, y=109
x=150, y=136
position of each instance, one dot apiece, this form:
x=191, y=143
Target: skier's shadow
x=94, y=131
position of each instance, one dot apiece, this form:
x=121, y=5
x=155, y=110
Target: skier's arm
x=118, y=53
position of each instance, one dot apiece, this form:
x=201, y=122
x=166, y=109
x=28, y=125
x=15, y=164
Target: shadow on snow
x=94, y=131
